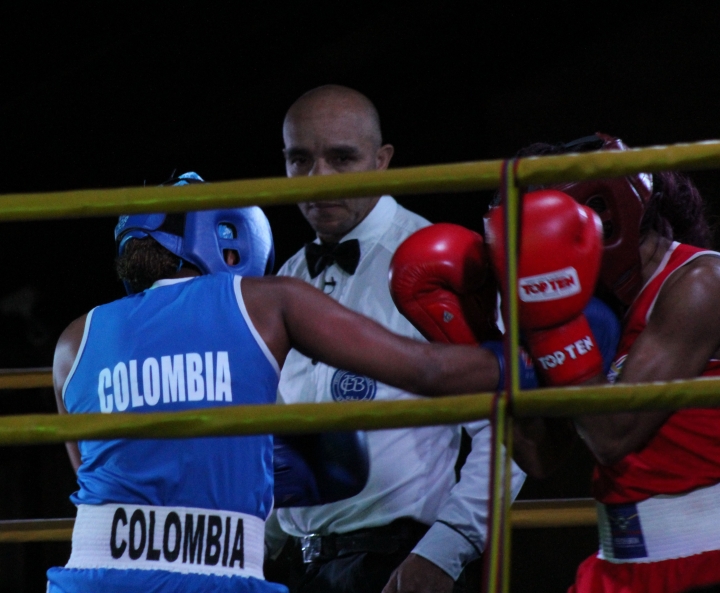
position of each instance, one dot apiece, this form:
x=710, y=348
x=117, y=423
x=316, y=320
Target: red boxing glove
x=440, y=281
x=561, y=250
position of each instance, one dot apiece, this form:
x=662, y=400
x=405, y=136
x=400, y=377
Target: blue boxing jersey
x=183, y=345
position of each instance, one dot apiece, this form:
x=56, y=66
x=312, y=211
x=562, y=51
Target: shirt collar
x=374, y=225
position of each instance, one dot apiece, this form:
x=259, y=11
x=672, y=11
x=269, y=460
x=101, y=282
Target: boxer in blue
x=197, y=331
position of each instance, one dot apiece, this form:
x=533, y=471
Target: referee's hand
x=418, y=575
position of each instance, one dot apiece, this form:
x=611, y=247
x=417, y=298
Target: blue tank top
x=182, y=345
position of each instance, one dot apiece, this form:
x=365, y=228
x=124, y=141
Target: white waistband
x=178, y=539
x=661, y=528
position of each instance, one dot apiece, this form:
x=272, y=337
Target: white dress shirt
x=411, y=470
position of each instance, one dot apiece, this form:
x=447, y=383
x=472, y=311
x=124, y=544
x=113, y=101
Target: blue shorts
x=112, y=580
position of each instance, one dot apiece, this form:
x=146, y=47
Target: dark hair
x=145, y=261
x=541, y=149
x=675, y=210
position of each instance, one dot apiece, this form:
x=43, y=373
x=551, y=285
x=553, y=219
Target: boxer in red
x=657, y=477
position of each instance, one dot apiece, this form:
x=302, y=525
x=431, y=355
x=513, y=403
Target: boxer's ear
x=231, y=256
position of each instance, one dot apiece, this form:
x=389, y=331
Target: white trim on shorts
x=176, y=539
x=666, y=526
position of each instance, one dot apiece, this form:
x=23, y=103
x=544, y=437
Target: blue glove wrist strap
x=528, y=378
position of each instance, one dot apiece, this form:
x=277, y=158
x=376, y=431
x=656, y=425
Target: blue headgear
x=200, y=237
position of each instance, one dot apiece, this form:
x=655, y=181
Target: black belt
x=381, y=540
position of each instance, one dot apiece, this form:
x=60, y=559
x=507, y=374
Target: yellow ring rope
x=524, y=514
x=374, y=415
x=436, y=178
x=25, y=378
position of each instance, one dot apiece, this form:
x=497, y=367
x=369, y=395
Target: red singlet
x=685, y=453
x=682, y=456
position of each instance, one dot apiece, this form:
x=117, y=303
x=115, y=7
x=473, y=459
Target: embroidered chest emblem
x=347, y=386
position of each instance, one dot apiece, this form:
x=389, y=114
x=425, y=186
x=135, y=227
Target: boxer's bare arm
x=290, y=313
x=542, y=445
x=65, y=353
x=682, y=334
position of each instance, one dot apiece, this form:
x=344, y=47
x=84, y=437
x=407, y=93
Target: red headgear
x=620, y=202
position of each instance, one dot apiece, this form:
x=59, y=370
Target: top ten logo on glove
x=549, y=287
x=560, y=253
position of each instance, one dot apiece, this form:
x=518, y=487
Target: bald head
x=334, y=129
x=339, y=104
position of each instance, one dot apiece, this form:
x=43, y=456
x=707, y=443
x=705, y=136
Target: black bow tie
x=319, y=256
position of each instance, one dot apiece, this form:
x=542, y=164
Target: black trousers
x=364, y=571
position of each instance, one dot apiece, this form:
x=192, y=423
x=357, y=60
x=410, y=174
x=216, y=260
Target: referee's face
x=332, y=137
x=332, y=220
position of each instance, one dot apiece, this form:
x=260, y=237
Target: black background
x=119, y=94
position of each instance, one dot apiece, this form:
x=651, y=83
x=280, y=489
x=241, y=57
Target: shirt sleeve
x=275, y=537
x=459, y=533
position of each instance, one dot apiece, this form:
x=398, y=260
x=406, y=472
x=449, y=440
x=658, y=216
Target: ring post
x=497, y=573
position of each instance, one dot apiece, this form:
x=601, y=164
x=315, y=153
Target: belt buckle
x=311, y=546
